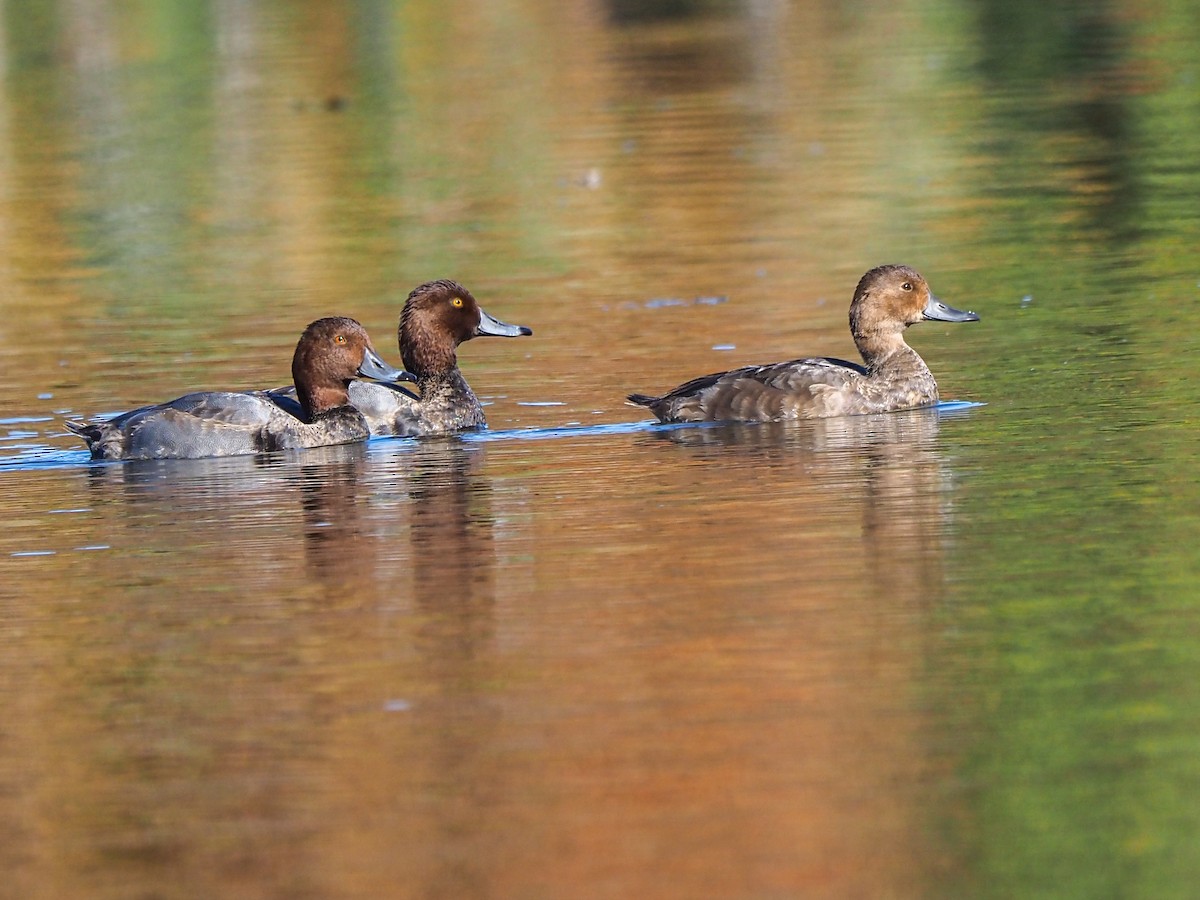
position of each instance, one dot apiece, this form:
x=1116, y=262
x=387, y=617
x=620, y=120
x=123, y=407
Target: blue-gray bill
x=374, y=367
x=491, y=326
x=937, y=311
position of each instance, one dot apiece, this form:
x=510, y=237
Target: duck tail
x=92, y=435
x=84, y=430
x=640, y=400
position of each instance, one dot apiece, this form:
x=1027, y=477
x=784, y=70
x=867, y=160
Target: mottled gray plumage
x=887, y=300
x=437, y=317
x=230, y=423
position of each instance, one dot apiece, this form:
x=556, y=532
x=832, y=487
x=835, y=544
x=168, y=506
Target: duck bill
x=937, y=311
x=374, y=367
x=495, y=328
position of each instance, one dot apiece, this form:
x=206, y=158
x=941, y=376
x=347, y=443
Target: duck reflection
x=226, y=624
x=840, y=433
x=444, y=638
x=889, y=465
x=451, y=531
x=408, y=526
x=236, y=510
x=233, y=513
x=339, y=550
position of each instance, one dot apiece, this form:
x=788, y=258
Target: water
x=937, y=653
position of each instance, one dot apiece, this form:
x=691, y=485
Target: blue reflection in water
x=40, y=456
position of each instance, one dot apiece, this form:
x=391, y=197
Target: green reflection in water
x=213, y=161
x=1067, y=666
x=1070, y=659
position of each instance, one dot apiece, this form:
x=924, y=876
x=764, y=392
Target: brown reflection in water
x=227, y=505
x=181, y=703
x=891, y=460
x=722, y=698
x=338, y=552
x=674, y=663
x=424, y=772
x=671, y=667
x=691, y=668
x=453, y=557
x=231, y=507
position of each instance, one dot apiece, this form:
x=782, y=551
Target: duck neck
x=447, y=387
x=886, y=352
x=424, y=354
x=318, y=399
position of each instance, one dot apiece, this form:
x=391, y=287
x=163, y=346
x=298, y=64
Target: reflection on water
x=457, y=716
x=581, y=655
x=336, y=551
x=474, y=662
x=890, y=464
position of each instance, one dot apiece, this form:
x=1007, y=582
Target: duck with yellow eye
x=437, y=317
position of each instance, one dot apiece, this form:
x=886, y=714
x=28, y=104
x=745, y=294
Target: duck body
x=231, y=423
x=437, y=317
x=446, y=405
x=893, y=376
x=217, y=423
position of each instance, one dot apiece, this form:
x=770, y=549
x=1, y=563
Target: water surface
x=936, y=653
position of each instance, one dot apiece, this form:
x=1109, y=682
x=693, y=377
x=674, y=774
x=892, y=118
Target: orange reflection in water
x=664, y=698
x=665, y=663
x=470, y=669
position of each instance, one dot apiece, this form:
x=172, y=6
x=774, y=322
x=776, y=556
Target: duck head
x=437, y=317
x=888, y=299
x=330, y=354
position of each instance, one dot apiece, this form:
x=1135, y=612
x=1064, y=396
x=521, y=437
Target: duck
x=886, y=302
x=330, y=353
x=437, y=317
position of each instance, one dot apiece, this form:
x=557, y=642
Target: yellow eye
x=907, y=286
x=339, y=339
x=457, y=302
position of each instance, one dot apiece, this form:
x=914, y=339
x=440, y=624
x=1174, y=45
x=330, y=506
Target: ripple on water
x=42, y=456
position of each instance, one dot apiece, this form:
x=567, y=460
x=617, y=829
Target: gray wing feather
x=783, y=390
x=226, y=407
x=388, y=408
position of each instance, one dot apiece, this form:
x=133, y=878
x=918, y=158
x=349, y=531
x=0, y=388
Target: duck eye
x=339, y=339
x=457, y=302
x=907, y=286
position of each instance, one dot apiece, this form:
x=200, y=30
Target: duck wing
x=385, y=406
x=285, y=399
x=798, y=388
x=204, y=423
x=207, y=423
x=236, y=408
x=388, y=408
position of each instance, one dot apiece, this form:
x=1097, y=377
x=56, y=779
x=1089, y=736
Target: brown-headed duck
x=329, y=355
x=437, y=317
x=887, y=300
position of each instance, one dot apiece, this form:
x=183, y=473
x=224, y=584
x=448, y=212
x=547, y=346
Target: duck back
x=232, y=423
x=887, y=301
x=446, y=405
x=798, y=389
x=216, y=423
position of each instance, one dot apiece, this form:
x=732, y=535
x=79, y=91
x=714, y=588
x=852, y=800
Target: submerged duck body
x=887, y=301
x=329, y=355
x=437, y=317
